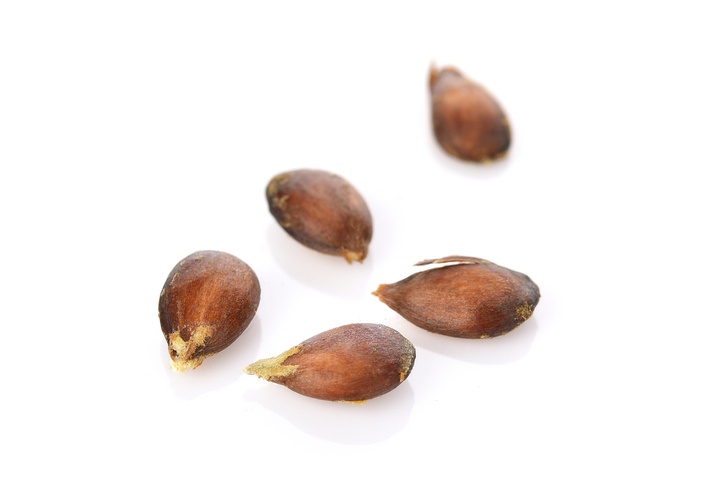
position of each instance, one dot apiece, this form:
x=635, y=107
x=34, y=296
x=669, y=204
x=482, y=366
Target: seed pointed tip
x=433, y=74
x=379, y=291
x=251, y=369
x=272, y=367
x=352, y=256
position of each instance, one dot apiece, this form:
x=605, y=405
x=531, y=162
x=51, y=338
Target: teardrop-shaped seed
x=472, y=299
x=467, y=120
x=352, y=363
x=208, y=300
x=322, y=211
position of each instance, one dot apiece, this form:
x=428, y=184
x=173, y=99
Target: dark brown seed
x=467, y=121
x=208, y=300
x=322, y=211
x=472, y=299
x=351, y=363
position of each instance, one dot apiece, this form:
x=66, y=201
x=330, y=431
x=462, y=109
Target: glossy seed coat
x=473, y=298
x=322, y=211
x=354, y=363
x=467, y=120
x=208, y=300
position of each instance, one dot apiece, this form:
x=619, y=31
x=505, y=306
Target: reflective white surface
x=134, y=134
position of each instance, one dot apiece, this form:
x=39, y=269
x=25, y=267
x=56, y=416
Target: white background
x=134, y=133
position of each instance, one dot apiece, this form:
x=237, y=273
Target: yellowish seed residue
x=483, y=337
x=272, y=367
x=524, y=311
x=356, y=402
x=281, y=202
x=183, y=351
x=407, y=361
x=277, y=182
x=352, y=256
x=185, y=365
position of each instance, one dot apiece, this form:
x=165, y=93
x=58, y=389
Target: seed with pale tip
x=322, y=211
x=353, y=363
x=208, y=301
x=473, y=298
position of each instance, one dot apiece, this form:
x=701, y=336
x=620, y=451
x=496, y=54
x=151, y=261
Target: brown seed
x=322, y=211
x=208, y=300
x=467, y=121
x=351, y=363
x=472, y=299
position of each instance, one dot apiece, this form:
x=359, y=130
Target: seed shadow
x=346, y=423
x=325, y=273
x=494, y=351
x=480, y=171
x=217, y=371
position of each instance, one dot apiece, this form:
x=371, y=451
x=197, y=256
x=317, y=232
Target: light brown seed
x=208, y=301
x=467, y=120
x=352, y=363
x=471, y=299
x=322, y=211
